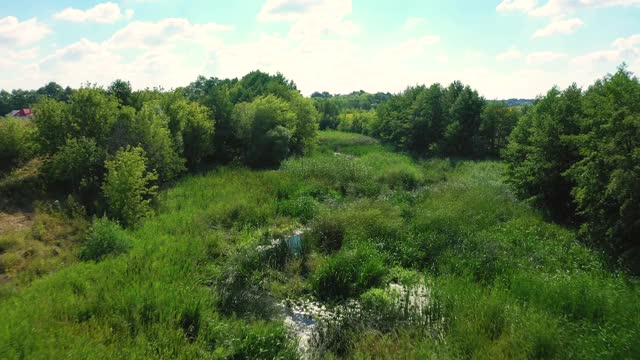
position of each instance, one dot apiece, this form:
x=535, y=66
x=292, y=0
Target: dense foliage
x=16, y=143
x=24, y=99
x=331, y=107
x=447, y=265
x=258, y=120
x=576, y=154
x=153, y=235
x=453, y=121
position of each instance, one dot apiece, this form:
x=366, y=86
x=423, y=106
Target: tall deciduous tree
x=540, y=152
x=128, y=186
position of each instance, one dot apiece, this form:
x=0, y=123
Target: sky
x=504, y=49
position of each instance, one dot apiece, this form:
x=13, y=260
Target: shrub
x=238, y=285
x=105, y=238
x=16, y=142
x=263, y=341
x=342, y=173
x=78, y=164
x=302, y=207
x=349, y=273
x=401, y=177
x=127, y=187
x=327, y=232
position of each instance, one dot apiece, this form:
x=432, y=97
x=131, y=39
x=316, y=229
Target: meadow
x=204, y=279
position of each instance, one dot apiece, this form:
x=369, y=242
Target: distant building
x=23, y=113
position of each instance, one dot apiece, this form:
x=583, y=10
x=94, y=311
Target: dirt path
x=15, y=221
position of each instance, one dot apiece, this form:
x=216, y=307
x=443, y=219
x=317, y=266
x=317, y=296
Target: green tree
x=263, y=126
x=306, y=125
x=607, y=185
x=92, y=114
x=122, y=91
x=128, y=188
x=464, y=123
x=328, y=113
x=77, y=166
x=258, y=83
x=191, y=128
x=53, y=91
x=17, y=142
x=151, y=132
x=429, y=114
x=51, y=118
x=539, y=152
x=215, y=94
x=497, y=123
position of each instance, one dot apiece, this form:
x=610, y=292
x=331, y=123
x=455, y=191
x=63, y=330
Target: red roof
x=22, y=113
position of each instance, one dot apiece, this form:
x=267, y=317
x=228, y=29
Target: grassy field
x=195, y=281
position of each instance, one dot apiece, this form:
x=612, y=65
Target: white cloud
x=14, y=33
x=522, y=5
x=87, y=61
x=627, y=43
x=542, y=57
x=105, y=13
x=563, y=7
x=622, y=50
x=412, y=23
x=150, y=35
x=559, y=27
x=560, y=7
x=311, y=18
x=509, y=55
x=293, y=10
x=168, y=53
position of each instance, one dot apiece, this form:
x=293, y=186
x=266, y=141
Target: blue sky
x=510, y=48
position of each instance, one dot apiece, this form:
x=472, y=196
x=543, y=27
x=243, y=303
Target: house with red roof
x=22, y=113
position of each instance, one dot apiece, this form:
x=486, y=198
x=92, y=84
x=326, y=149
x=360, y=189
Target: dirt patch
x=15, y=222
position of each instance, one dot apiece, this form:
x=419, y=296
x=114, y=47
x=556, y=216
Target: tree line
x=335, y=108
x=110, y=148
x=430, y=121
x=573, y=153
x=576, y=153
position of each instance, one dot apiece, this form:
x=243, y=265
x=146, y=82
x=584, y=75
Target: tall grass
x=200, y=280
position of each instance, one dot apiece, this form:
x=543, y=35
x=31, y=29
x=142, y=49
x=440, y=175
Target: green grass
x=191, y=283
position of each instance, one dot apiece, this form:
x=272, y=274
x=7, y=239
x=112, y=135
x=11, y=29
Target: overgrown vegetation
x=576, y=154
x=140, y=248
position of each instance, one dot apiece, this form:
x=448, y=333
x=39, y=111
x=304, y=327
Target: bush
x=302, y=207
x=265, y=127
x=349, y=273
x=327, y=232
x=78, y=164
x=127, y=187
x=105, y=238
x=16, y=142
x=401, y=177
x=345, y=174
x=263, y=341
